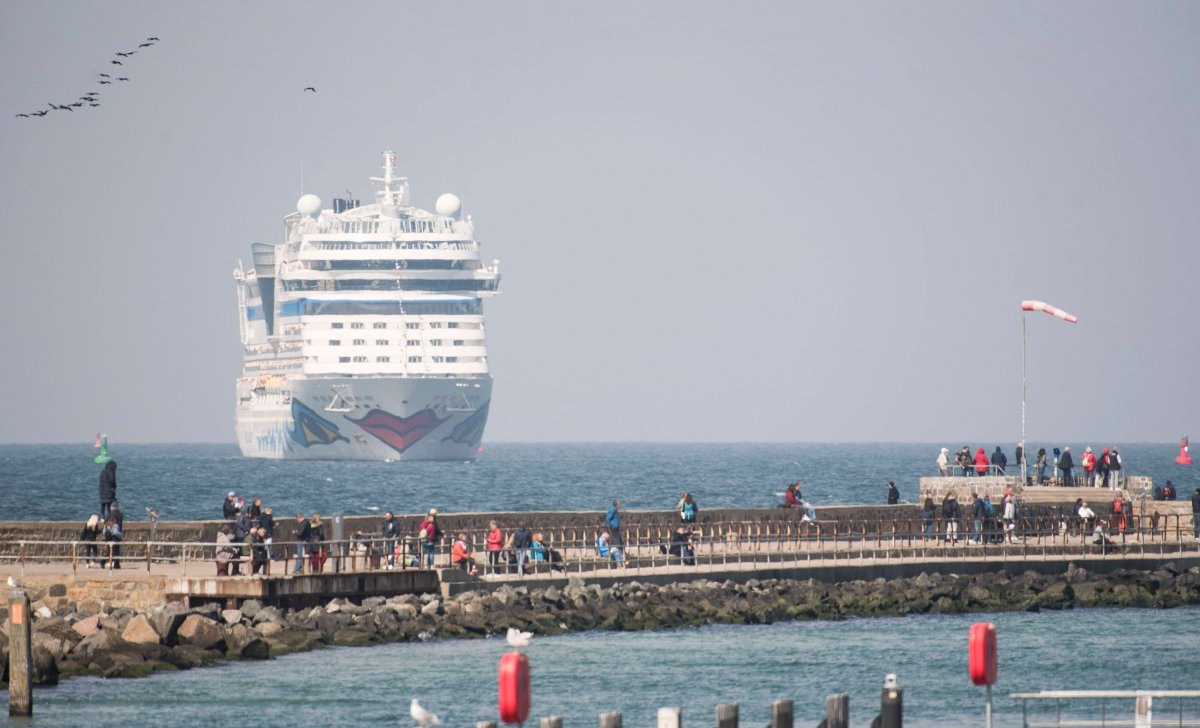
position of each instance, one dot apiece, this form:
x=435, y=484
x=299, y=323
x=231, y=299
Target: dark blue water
x=579, y=676
x=190, y=481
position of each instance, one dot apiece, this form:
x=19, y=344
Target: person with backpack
x=928, y=513
x=951, y=512
x=687, y=508
x=1088, y=463
x=989, y=520
x=429, y=534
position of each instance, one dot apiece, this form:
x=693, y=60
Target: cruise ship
x=363, y=332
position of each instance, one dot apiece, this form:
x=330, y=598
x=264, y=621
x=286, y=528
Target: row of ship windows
x=405, y=284
x=387, y=359
x=385, y=342
x=383, y=325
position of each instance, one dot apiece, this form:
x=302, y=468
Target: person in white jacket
x=943, y=463
x=1010, y=518
x=1088, y=516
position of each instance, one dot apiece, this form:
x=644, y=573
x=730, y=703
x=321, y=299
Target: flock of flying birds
x=92, y=98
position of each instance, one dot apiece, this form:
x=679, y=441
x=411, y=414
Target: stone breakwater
x=122, y=642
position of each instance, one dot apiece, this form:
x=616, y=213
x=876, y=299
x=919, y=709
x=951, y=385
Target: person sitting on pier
x=1087, y=517
x=612, y=552
x=681, y=546
x=687, y=508
x=460, y=555
x=792, y=496
x=1101, y=539
x=538, y=551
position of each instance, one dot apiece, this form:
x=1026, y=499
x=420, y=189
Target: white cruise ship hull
x=364, y=418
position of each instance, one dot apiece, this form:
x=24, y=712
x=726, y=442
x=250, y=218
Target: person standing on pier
x=316, y=544
x=687, y=508
x=951, y=511
x=429, y=534
x=1196, y=513
x=893, y=494
x=229, y=509
x=981, y=463
x=391, y=531
x=1103, y=464
x=91, y=531
x=302, y=535
x=1114, y=467
x=978, y=514
x=1065, y=464
x=613, y=520
x=1041, y=466
x=495, y=545
x=266, y=522
x=113, y=537
x=1088, y=463
x=943, y=462
x=1000, y=460
x=108, y=487
x=928, y=513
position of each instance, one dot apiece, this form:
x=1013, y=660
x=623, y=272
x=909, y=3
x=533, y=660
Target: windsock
x=1047, y=308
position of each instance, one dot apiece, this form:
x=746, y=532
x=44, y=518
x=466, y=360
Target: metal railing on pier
x=663, y=547
x=1110, y=708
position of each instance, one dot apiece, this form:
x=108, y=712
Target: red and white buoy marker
x=1183, y=458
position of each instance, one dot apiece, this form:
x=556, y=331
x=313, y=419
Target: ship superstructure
x=364, y=332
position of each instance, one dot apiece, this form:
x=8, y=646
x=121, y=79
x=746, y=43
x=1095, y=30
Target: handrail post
x=781, y=714
x=727, y=715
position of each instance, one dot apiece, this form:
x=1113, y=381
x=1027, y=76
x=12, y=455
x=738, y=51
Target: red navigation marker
x=514, y=688
x=981, y=652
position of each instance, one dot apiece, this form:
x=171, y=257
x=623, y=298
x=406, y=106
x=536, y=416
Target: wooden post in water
x=837, y=710
x=670, y=718
x=20, y=655
x=610, y=720
x=553, y=721
x=781, y=714
x=727, y=715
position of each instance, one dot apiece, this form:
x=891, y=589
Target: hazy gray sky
x=716, y=221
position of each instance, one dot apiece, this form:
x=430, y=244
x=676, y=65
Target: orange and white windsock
x=1043, y=306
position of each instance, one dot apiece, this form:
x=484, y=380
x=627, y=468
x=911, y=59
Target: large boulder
x=246, y=644
x=166, y=622
x=231, y=616
x=251, y=607
x=201, y=632
x=140, y=631
x=87, y=626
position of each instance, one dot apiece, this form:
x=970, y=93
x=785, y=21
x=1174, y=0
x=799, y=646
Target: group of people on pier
x=1101, y=470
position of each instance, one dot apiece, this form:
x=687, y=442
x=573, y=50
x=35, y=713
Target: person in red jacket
x=1089, y=467
x=495, y=543
x=981, y=462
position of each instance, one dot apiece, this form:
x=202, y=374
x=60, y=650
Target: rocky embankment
x=125, y=643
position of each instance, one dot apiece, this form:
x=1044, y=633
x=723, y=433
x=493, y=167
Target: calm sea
x=579, y=676
x=190, y=481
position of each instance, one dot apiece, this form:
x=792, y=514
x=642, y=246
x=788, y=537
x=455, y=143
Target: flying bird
x=105, y=75
x=309, y=88
x=517, y=638
x=145, y=45
x=116, y=63
x=103, y=83
x=43, y=112
x=125, y=55
x=122, y=78
x=93, y=104
x=25, y=115
x=419, y=714
x=152, y=38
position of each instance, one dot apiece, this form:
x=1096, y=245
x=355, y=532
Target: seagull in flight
x=116, y=63
x=43, y=112
x=20, y=115
x=309, y=88
x=419, y=714
x=152, y=38
x=93, y=104
x=105, y=75
x=122, y=78
x=145, y=45
x=125, y=55
x=103, y=83
x=517, y=638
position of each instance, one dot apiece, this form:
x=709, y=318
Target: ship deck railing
x=1109, y=708
x=708, y=545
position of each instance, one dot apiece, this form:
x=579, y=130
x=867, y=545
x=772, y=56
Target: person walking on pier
x=1040, y=465
x=108, y=487
x=951, y=512
x=302, y=536
x=1065, y=464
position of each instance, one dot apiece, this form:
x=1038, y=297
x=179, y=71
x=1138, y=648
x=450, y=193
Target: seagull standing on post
x=518, y=639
